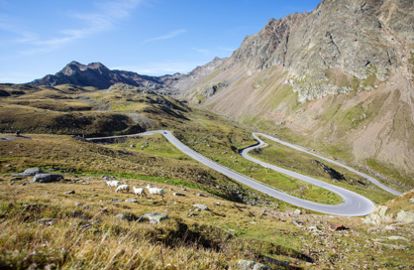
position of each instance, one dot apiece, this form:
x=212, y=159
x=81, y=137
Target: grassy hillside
x=76, y=223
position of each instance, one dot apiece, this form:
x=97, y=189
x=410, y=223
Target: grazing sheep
x=112, y=183
x=122, y=188
x=138, y=191
x=156, y=191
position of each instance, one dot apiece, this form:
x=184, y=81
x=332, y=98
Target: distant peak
x=75, y=63
x=97, y=66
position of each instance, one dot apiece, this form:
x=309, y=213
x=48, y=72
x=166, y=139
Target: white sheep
x=112, y=183
x=122, y=188
x=138, y=191
x=156, y=191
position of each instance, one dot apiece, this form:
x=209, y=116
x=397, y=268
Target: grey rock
x=47, y=178
x=30, y=172
x=297, y=212
x=131, y=200
x=405, y=217
x=200, y=207
x=98, y=75
x=251, y=265
x=154, y=218
x=397, y=238
x=47, y=221
x=126, y=216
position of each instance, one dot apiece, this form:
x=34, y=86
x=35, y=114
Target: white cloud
x=104, y=18
x=167, y=36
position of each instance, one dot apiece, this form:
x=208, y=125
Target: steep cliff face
x=341, y=74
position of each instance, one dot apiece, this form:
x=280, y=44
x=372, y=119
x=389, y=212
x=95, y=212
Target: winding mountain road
x=353, y=204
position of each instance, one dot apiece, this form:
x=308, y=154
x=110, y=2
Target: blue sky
x=154, y=37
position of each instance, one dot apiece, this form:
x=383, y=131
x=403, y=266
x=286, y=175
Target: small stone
x=390, y=228
x=131, y=200
x=397, y=238
x=178, y=194
x=200, y=207
x=245, y=265
x=70, y=192
x=201, y=195
x=297, y=212
x=47, y=221
x=251, y=265
x=126, y=216
x=47, y=178
x=153, y=218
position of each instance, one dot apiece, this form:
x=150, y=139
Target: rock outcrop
x=341, y=74
x=101, y=77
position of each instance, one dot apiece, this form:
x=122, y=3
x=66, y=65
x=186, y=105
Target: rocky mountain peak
x=359, y=39
x=98, y=75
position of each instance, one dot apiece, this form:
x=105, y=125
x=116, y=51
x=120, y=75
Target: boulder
x=47, y=178
x=251, y=265
x=153, y=218
x=297, y=212
x=378, y=217
x=126, y=216
x=200, y=207
x=30, y=172
x=405, y=217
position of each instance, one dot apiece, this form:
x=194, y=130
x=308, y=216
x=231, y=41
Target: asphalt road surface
x=352, y=204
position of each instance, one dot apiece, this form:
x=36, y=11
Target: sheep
x=122, y=188
x=138, y=191
x=112, y=183
x=156, y=191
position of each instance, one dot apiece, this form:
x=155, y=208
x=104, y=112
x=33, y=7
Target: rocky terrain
x=339, y=79
x=99, y=76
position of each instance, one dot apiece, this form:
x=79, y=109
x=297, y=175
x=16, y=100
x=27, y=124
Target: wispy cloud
x=167, y=36
x=103, y=18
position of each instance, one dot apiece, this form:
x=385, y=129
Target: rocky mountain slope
x=99, y=76
x=340, y=77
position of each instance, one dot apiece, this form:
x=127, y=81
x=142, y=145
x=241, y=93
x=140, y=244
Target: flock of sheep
x=136, y=190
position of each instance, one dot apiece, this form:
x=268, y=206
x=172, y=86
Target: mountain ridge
x=98, y=75
x=341, y=74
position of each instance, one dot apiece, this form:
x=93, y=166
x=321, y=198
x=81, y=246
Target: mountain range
x=340, y=78
x=101, y=77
